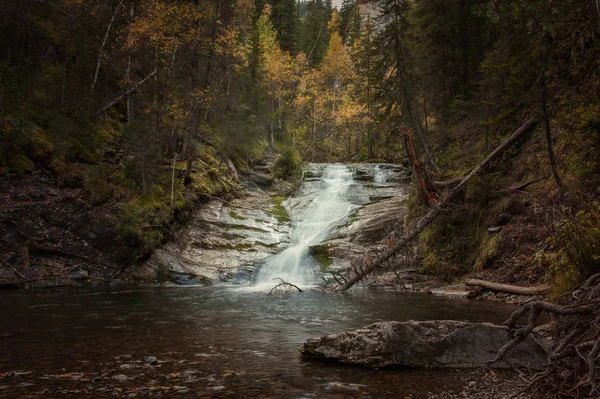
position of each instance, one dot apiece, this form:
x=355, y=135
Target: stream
x=209, y=342
x=228, y=340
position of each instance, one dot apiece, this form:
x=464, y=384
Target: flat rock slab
x=426, y=344
x=453, y=293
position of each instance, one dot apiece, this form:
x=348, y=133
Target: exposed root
x=572, y=366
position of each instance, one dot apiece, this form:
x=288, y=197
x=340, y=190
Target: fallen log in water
x=511, y=289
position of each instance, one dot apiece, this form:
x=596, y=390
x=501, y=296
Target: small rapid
x=313, y=218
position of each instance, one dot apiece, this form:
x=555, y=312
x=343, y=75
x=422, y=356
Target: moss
x=488, y=251
x=278, y=210
x=265, y=245
x=321, y=255
x=236, y=216
x=100, y=190
x=231, y=236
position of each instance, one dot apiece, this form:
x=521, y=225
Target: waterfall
x=311, y=224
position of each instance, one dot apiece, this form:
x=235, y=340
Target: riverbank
x=86, y=231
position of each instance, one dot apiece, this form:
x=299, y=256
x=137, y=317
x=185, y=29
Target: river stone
x=435, y=344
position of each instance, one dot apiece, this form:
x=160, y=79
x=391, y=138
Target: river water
x=209, y=342
x=228, y=341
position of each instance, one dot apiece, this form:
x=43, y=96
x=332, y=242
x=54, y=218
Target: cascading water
x=310, y=226
x=379, y=175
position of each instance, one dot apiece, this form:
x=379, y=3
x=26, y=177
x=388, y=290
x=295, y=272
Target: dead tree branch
x=129, y=91
x=284, y=284
x=434, y=211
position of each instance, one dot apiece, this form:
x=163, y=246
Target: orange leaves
x=168, y=25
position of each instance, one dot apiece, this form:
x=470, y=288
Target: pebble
x=152, y=360
x=120, y=377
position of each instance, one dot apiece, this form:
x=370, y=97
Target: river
x=209, y=342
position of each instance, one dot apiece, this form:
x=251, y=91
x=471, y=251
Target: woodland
x=147, y=107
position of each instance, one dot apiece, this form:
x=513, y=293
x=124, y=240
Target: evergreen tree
x=314, y=32
x=284, y=17
x=348, y=9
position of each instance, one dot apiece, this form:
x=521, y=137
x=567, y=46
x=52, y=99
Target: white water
x=379, y=175
x=310, y=226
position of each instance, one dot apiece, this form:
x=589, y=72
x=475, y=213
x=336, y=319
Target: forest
x=149, y=107
x=140, y=102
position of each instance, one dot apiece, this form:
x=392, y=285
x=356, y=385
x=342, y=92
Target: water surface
x=215, y=342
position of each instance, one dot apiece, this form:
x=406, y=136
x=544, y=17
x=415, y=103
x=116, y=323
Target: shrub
x=288, y=162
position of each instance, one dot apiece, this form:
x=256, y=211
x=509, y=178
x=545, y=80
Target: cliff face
x=372, y=9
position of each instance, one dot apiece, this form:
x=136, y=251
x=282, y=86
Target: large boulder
x=440, y=343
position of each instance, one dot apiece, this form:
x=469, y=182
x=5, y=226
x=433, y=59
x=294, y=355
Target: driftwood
x=511, y=289
x=284, y=284
x=435, y=210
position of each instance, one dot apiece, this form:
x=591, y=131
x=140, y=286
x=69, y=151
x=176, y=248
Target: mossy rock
x=278, y=210
x=236, y=216
x=321, y=255
x=21, y=164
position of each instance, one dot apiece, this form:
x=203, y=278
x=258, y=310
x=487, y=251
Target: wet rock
x=341, y=387
x=79, y=274
x=261, y=179
x=120, y=377
x=440, y=343
x=152, y=360
x=377, y=220
x=454, y=291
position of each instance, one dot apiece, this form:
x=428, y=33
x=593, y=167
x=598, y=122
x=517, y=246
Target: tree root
x=573, y=362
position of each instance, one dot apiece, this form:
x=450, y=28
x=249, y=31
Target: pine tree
x=314, y=32
x=284, y=17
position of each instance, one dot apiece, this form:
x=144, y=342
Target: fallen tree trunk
x=435, y=210
x=116, y=100
x=511, y=289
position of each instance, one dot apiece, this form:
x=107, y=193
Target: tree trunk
x=553, y=162
x=427, y=189
x=112, y=20
x=128, y=71
x=511, y=289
